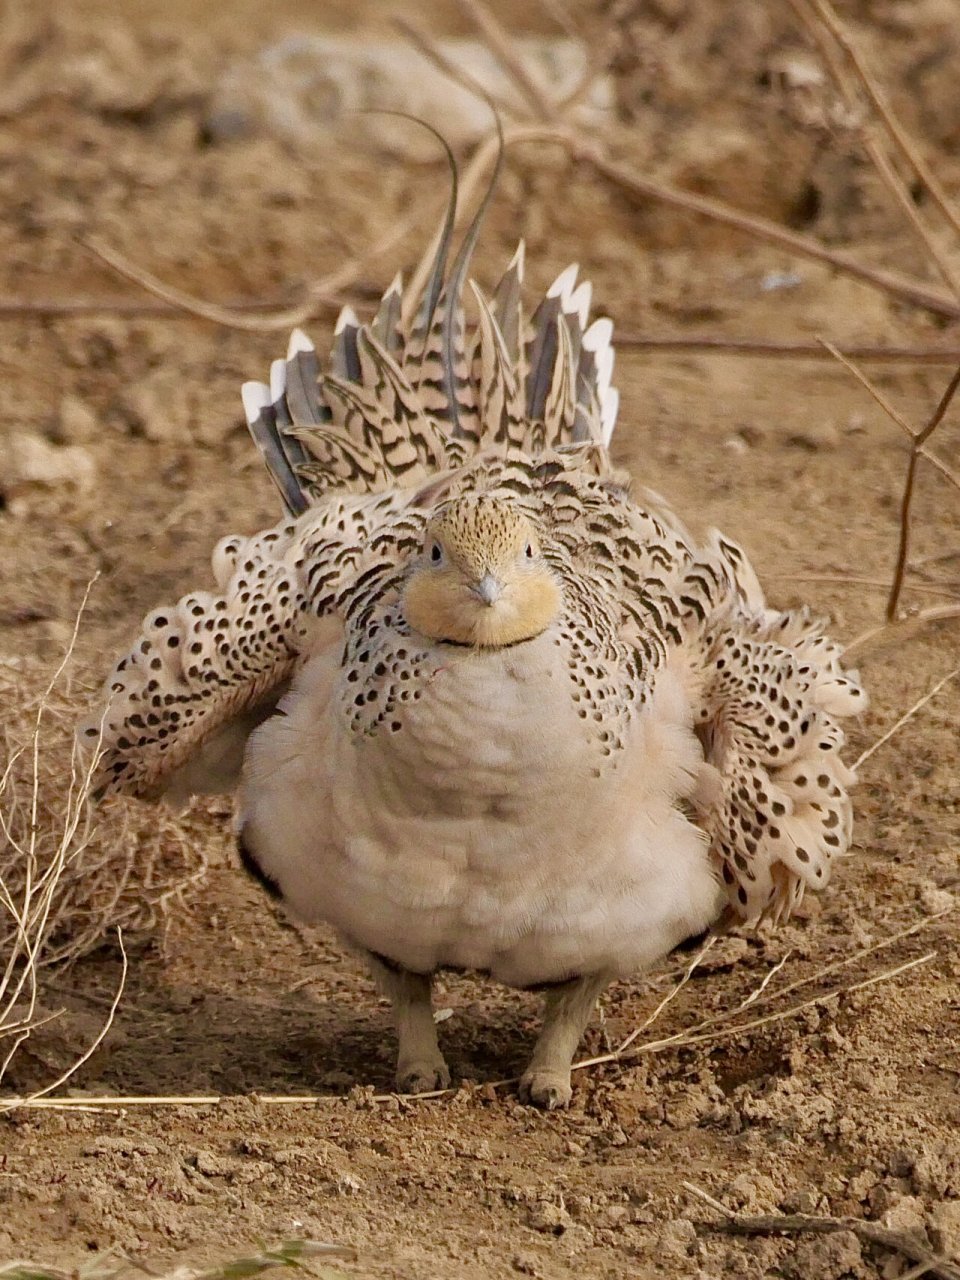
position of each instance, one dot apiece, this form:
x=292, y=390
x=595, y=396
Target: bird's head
x=481, y=578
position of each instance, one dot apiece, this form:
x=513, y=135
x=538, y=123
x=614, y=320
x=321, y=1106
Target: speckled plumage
x=697, y=730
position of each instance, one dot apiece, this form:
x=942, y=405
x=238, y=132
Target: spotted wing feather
x=772, y=696
x=202, y=673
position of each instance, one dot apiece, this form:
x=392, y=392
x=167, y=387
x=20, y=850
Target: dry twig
x=74, y=1067
x=459, y=75
x=802, y=1223
x=320, y=295
x=696, y=1035
x=63, y=883
x=889, y=630
x=499, y=41
x=907, y=715
x=549, y=126
x=67, y=308
x=895, y=130
x=707, y=344
x=816, y=15
x=918, y=448
x=860, y=580
x=906, y=502
x=891, y=282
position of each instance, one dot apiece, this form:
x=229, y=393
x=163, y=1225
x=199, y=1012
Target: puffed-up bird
x=487, y=706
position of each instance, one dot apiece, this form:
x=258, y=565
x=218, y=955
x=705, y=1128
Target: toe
x=422, y=1077
x=547, y=1089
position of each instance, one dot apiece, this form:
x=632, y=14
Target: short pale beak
x=489, y=589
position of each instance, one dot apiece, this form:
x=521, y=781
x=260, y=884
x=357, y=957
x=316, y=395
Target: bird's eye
x=528, y=551
x=436, y=554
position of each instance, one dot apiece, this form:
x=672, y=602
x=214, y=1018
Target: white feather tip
x=599, y=334
x=604, y=359
x=346, y=317
x=563, y=285
x=578, y=303
x=609, y=405
x=255, y=396
x=298, y=342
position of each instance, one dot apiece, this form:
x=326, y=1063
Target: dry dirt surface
x=849, y=1107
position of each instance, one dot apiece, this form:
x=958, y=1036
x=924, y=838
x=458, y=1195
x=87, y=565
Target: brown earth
x=850, y=1107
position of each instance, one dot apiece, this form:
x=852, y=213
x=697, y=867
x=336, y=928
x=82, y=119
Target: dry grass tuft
x=65, y=880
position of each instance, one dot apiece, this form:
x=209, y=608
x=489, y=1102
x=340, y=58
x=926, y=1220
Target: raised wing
x=771, y=693
x=205, y=671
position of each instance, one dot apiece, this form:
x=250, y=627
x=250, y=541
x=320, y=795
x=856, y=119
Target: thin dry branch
x=74, y=1067
x=669, y=997
x=923, y=618
x=906, y=502
x=801, y=1223
x=895, y=130
x=893, y=413
x=501, y=44
x=907, y=715
x=940, y=412
x=811, y=15
x=695, y=1035
x=67, y=308
x=63, y=882
x=596, y=152
x=891, y=282
x=898, y=189
x=708, y=344
x=320, y=295
x=860, y=580
x=758, y=997
x=29, y=882
x=918, y=449
x=432, y=51
x=821, y=21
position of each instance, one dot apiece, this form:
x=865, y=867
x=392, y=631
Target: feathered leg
x=546, y=1081
x=420, y=1064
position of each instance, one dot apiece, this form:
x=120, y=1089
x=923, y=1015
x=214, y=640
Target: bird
x=485, y=702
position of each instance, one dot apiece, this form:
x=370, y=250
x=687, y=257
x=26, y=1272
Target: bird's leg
x=420, y=1064
x=546, y=1080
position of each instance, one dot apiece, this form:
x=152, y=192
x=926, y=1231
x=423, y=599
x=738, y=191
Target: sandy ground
x=850, y=1107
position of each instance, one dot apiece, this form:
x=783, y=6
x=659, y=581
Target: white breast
x=489, y=831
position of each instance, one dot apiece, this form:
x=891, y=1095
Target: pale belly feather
x=479, y=834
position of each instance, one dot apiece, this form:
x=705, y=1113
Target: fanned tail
x=395, y=407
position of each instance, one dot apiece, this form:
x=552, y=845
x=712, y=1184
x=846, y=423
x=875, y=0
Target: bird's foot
x=545, y=1088
x=422, y=1076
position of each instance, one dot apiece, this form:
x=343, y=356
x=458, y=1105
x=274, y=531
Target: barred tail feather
x=261, y=413
x=393, y=410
